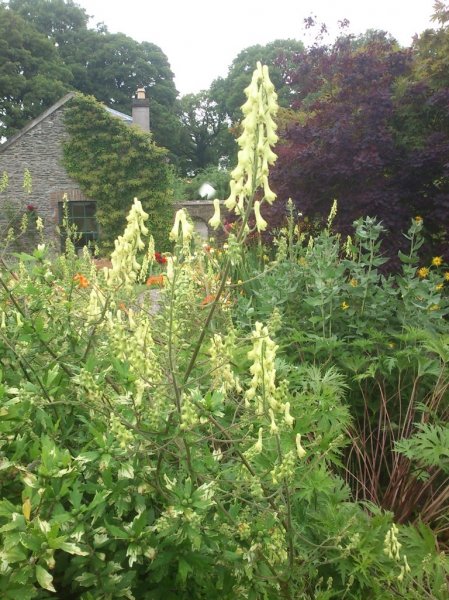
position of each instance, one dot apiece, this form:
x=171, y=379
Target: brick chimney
x=141, y=110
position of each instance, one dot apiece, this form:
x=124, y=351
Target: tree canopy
x=48, y=49
x=32, y=74
x=370, y=136
x=228, y=92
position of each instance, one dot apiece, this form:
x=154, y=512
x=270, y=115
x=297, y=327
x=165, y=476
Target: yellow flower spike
x=215, y=221
x=261, y=224
x=255, y=154
x=299, y=449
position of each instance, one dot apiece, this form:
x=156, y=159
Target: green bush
x=182, y=443
x=114, y=163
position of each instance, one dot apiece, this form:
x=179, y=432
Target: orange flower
x=207, y=300
x=155, y=280
x=82, y=281
x=122, y=306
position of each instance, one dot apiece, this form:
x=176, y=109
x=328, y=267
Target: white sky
x=202, y=37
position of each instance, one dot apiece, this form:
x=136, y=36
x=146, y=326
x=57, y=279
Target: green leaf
x=73, y=549
x=45, y=579
x=183, y=569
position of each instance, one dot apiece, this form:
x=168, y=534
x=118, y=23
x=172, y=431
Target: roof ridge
x=37, y=120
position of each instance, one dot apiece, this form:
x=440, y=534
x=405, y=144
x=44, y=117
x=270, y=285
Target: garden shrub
x=387, y=335
x=178, y=450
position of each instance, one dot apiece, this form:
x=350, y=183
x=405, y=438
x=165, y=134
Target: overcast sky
x=202, y=37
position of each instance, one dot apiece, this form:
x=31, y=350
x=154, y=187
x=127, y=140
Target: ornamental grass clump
x=181, y=452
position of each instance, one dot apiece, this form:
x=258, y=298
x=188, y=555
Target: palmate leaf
x=429, y=447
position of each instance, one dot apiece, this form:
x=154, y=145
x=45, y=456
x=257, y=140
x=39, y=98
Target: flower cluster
x=125, y=268
x=263, y=354
x=220, y=352
x=81, y=280
x=159, y=258
x=255, y=155
x=182, y=224
x=155, y=280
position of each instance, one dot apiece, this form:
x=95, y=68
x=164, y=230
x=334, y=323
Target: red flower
x=159, y=258
x=31, y=207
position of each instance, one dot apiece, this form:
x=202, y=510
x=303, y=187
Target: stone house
x=38, y=149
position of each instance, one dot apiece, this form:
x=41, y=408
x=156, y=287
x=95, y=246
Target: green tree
x=228, y=92
x=109, y=66
x=54, y=18
x=32, y=76
x=205, y=132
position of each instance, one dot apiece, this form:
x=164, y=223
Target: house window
x=82, y=215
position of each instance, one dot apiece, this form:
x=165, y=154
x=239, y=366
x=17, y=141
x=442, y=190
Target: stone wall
x=39, y=149
x=201, y=211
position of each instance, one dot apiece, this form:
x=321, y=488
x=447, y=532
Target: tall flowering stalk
x=255, y=155
x=125, y=268
x=251, y=174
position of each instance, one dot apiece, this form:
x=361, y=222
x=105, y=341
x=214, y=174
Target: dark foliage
x=369, y=136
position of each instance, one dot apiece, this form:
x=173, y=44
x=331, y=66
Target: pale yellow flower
x=215, y=220
x=299, y=449
x=261, y=224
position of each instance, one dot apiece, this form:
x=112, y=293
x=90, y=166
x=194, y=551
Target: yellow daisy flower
x=423, y=272
x=437, y=261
